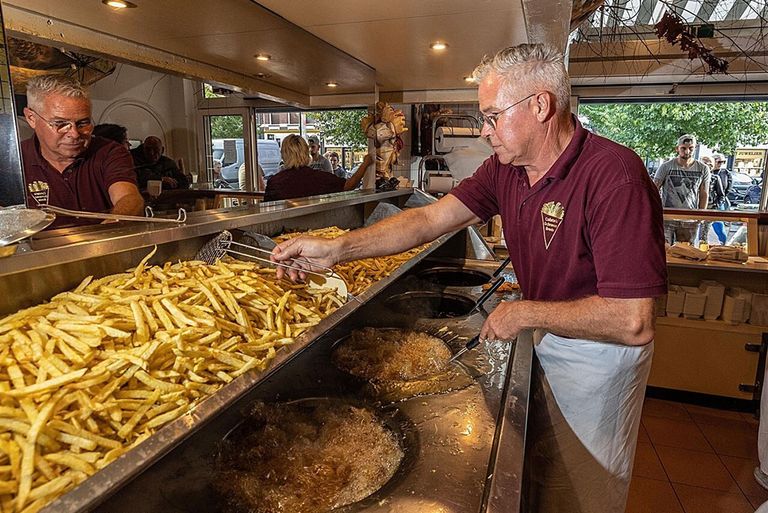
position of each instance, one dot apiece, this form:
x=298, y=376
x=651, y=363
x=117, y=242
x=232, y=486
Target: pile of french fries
x=359, y=274
x=97, y=370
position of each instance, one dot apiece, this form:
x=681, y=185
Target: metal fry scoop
x=223, y=243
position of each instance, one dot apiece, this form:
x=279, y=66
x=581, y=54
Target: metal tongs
x=223, y=243
x=148, y=218
x=475, y=341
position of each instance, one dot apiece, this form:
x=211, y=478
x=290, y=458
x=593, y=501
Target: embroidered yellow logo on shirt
x=39, y=191
x=552, y=214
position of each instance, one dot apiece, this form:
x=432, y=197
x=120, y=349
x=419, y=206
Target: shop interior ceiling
x=361, y=45
x=618, y=43
x=28, y=59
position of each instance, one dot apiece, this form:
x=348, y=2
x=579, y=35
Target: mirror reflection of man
x=64, y=165
x=151, y=164
x=683, y=180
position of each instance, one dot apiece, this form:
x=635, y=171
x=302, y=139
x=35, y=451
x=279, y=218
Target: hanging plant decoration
x=674, y=29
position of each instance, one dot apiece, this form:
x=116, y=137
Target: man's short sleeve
x=627, y=234
x=661, y=173
x=478, y=192
x=118, y=165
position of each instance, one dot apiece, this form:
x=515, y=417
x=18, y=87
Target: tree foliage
x=652, y=129
x=227, y=127
x=342, y=127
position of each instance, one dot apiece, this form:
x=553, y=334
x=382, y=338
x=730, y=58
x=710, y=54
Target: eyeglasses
x=493, y=118
x=62, y=126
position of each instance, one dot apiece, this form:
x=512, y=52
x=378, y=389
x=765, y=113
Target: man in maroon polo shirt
x=64, y=165
x=583, y=224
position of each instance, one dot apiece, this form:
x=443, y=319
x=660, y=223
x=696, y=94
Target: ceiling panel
x=394, y=37
x=225, y=33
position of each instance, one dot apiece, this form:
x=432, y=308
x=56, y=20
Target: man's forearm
x=627, y=321
x=129, y=205
x=389, y=236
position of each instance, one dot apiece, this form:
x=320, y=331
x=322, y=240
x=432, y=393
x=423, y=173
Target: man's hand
x=170, y=182
x=307, y=253
x=504, y=323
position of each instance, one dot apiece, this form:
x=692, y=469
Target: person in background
x=338, y=169
x=151, y=164
x=318, y=161
x=64, y=164
x=113, y=132
x=683, y=180
x=568, y=198
x=708, y=161
x=725, y=175
x=297, y=179
x=241, y=177
x=717, y=198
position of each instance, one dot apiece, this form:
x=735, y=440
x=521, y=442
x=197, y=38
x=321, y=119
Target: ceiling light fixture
x=263, y=57
x=469, y=78
x=438, y=45
x=332, y=84
x=119, y=4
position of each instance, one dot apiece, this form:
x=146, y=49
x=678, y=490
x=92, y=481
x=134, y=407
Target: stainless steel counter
x=480, y=467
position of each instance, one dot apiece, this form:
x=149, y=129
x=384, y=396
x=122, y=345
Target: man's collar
x=565, y=161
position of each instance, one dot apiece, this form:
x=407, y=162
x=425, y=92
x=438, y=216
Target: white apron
x=587, y=405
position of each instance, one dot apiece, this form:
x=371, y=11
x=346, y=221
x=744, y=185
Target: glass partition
x=679, y=139
x=11, y=177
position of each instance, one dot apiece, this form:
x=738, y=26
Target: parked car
x=739, y=186
x=754, y=192
x=269, y=159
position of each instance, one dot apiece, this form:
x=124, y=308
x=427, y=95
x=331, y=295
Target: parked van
x=269, y=158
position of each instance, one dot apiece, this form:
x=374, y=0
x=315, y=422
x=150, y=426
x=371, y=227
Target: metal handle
x=182, y=217
x=473, y=343
x=488, y=293
x=469, y=345
x=503, y=266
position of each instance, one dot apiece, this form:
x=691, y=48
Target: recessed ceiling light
x=438, y=45
x=469, y=78
x=332, y=84
x=262, y=75
x=119, y=4
x=263, y=57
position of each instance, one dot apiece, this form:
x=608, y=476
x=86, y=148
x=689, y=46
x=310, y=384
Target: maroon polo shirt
x=591, y=226
x=299, y=182
x=84, y=185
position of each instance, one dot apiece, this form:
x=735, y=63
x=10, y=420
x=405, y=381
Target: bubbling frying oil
x=305, y=458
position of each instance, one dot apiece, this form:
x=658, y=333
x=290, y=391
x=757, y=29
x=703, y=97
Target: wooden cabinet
x=709, y=357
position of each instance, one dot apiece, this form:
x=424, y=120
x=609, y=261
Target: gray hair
x=41, y=86
x=537, y=66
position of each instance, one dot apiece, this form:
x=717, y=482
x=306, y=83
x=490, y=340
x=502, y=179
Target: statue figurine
x=384, y=126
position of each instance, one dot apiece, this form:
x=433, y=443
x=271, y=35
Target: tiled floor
x=695, y=460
